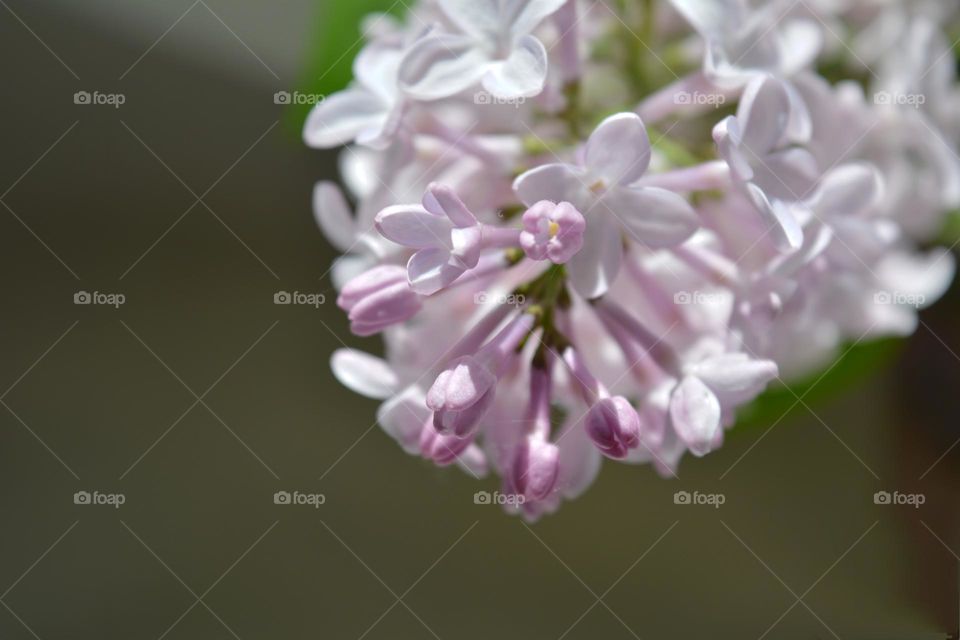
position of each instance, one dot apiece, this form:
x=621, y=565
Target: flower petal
x=654, y=217
x=800, y=128
x=708, y=17
x=619, y=149
x=580, y=461
x=442, y=200
x=441, y=65
x=479, y=18
x=333, y=215
x=430, y=270
x=849, y=190
x=342, y=117
x=553, y=182
x=375, y=67
x=764, y=114
x=925, y=276
x=412, y=226
x=403, y=417
x=522, y=74
x=474, y=461
x=523, y=16
x=789, y=175
x=364, y=374
x=782, y=224
x=596, y=266
x=800, y=43
x=695, y=415
x=381, y=131
x=735, y=378
x=729, y=138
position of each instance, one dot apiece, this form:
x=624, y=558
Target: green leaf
x=335, y=45
x=855, y=365
x=950, y=235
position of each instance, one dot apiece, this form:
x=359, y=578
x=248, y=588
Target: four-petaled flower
x=756, y=146
x=494, y=48
x=446, y=235
x=368, y=112
x=616, y=155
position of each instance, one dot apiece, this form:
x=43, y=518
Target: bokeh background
x=199, y=398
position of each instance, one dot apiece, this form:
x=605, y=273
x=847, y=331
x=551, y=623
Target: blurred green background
x=199, y=398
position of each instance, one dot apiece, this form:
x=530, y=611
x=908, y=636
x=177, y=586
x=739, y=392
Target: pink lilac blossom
x=572, y=255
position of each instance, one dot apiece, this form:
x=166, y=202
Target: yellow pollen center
x=554, y=229
x=598, y=187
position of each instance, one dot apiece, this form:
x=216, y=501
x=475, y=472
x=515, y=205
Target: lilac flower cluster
x=590, y=229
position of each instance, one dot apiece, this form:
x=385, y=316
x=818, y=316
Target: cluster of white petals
x=596, y=229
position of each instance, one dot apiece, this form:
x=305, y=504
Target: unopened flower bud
x=552, y=231
x=614, y=426
x=535, y=468
x=377, y=299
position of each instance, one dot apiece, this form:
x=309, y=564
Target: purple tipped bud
x=377, y=299
x=552, y=231
x=461, y=396
x=614, y=426
x=535, y=468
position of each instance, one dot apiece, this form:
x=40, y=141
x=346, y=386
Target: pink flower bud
x=536, y=468
x=553, y=231
x=464, y=391
x=461, y=396
x=377, y=299
x=614, y=426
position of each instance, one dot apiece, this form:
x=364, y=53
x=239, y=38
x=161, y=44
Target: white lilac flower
x=556, y=299
x=741, y=42
x=494, y=47
x=369, y=112
x=756, y=146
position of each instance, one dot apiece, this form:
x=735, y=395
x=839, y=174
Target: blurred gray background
x=199, y=398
